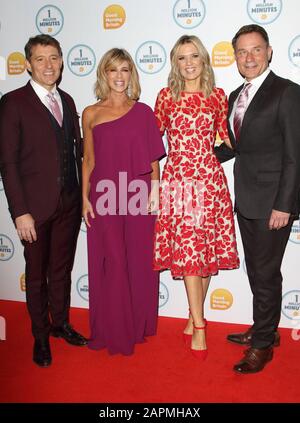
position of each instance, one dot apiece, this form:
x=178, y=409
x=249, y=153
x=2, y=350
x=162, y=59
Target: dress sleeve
x=148, y=144
x=159, y=111
x=155, y=142
x=222, y=114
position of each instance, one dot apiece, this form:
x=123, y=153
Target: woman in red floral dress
x=195, y=235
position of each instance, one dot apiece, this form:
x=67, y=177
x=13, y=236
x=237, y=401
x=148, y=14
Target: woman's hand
x=87, y=209
x=227, y=142
x=153, y=199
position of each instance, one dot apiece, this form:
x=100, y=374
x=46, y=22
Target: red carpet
x=160, y=371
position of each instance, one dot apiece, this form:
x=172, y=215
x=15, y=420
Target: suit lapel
x=257, y=100
x=40, y=108
x=72, y=112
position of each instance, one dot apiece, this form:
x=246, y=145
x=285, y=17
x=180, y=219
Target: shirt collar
x=41, y=91
x=257, y=82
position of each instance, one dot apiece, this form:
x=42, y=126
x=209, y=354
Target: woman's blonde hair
x=175, y=81
x=111, y=58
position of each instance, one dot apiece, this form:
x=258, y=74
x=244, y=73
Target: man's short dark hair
x=44, y=40
x=248, y=29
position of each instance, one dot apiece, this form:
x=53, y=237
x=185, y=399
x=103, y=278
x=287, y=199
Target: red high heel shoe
x=187, y=338
x=200, y=354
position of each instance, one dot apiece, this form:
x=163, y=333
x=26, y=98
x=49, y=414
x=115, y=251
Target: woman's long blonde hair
x=111, y=58
x=175, y=81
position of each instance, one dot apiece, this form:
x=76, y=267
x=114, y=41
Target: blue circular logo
x=265, y=11
x=163, y=294
x=295, y=232
x=82, y=287
x=7, y=248
x=189, y=14
x=49, y=20
x=291, y=305
x=294, y=51
x=150, y=57
x=81, y=60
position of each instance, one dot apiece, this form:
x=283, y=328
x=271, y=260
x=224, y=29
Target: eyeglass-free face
x=252, y=55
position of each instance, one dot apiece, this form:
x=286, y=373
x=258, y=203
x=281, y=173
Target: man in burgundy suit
x=40, y=163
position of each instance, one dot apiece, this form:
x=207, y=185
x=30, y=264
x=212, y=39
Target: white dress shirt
x=41, y=92
x=255, y=85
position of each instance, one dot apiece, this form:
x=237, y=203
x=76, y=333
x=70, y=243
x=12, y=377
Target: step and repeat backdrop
x=148, y=29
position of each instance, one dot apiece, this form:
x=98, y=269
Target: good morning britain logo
x=221, y=299
x=49, y=20
x=114, y=17
x=15, y=63
x=150, y=57
x=222, y=54
x=264, y=12
x=81, y=60
x=189, y=13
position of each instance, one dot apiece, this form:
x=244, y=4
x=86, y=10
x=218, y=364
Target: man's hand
x=25, y=228
x=278, y=219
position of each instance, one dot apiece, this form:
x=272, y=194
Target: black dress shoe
x=245, y=338
x=254, y=360
x=42, y=353
x=68, y=334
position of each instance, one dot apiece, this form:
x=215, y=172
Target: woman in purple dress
x=122, y=146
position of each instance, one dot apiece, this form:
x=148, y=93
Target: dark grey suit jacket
x=267, y=155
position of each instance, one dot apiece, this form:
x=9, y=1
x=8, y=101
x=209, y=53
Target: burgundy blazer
x=29, y=156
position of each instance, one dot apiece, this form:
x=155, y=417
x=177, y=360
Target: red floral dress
x=194, y=233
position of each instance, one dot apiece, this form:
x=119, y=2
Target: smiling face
x=45, y=65
x=118, y=77
x=189, y=62
x=252, y=55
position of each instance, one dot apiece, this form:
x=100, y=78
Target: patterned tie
x=240, y=110
x=55, y=108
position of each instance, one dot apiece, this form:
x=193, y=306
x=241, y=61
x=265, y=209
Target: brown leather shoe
x=254, y=360
x=245, y=338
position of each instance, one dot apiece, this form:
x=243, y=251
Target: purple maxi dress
x=123, y=287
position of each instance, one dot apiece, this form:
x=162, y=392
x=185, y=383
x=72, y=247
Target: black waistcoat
x=66, y=148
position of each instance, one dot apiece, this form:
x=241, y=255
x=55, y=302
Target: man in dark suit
x=40, y=163
x=263, y=123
